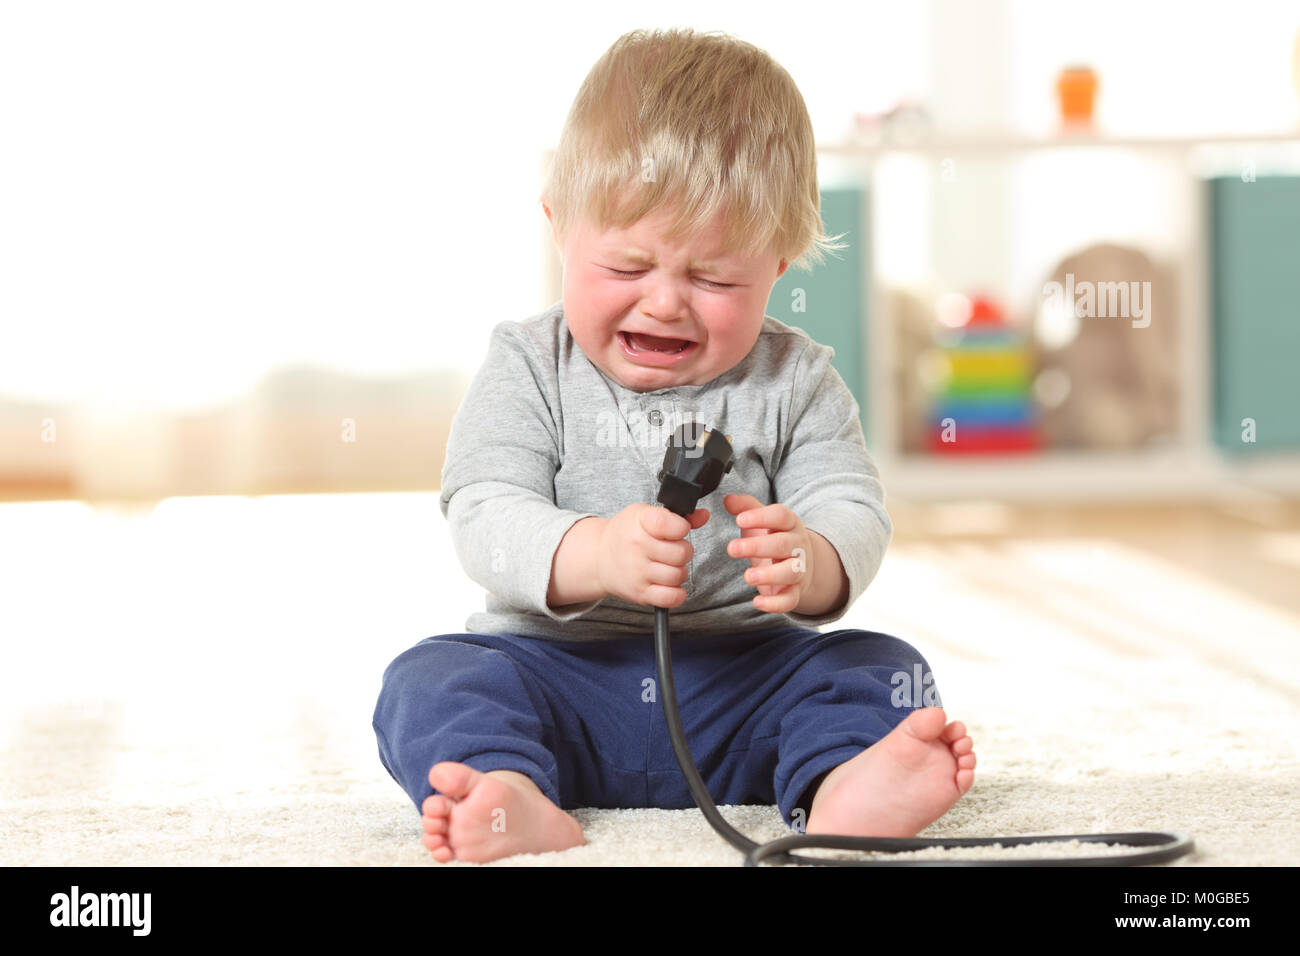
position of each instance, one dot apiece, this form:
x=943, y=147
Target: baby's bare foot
x=484, y=816
x=900, y=784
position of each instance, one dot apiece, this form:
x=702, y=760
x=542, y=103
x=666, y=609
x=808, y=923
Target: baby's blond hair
x=704, y=124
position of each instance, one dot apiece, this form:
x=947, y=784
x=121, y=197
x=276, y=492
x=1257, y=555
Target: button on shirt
x=543, y=438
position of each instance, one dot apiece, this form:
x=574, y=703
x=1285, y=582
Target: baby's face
x=652, y=315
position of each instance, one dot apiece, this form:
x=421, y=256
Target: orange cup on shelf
x=1076, y=91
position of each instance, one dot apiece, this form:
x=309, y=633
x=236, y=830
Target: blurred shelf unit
x=1234, y=267
x=998, y=145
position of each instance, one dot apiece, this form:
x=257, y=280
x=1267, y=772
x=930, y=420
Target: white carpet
x=194, y=687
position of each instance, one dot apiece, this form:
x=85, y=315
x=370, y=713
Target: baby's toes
x=439, y=847
x=434, y=824
x=965, y=770
x=436, y=805
x=964, y=780
x=953, y=732
x=963, y=746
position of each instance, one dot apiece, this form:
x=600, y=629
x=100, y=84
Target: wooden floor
x=1177, y=579
x=1251, y=546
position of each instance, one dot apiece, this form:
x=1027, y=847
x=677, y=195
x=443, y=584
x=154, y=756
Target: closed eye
x=630, y=275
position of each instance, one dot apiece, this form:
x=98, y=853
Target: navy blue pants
x=767, y=714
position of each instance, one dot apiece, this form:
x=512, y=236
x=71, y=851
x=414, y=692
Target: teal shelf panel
x=1255, y=298
x=833, y=293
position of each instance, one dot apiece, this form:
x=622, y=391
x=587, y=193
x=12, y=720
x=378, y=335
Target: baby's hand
x=643, y=554
x=779, y=550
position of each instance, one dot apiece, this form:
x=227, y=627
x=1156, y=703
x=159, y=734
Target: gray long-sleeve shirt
x=543, y=438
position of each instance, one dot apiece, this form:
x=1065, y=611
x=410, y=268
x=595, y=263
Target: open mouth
x=639, y=342
x=653, y=350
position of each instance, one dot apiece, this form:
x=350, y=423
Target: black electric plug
x=694, y=464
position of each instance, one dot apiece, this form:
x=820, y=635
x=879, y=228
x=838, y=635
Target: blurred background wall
x=259, y=247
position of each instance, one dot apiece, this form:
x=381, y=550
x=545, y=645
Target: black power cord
x=694, y=464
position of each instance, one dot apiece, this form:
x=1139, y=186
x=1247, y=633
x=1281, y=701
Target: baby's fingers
x=737, y=503
x=779, y=574
x=658, y=522
x=782, y=602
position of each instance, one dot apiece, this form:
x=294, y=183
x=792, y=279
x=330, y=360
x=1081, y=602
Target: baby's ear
x=555, y=234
